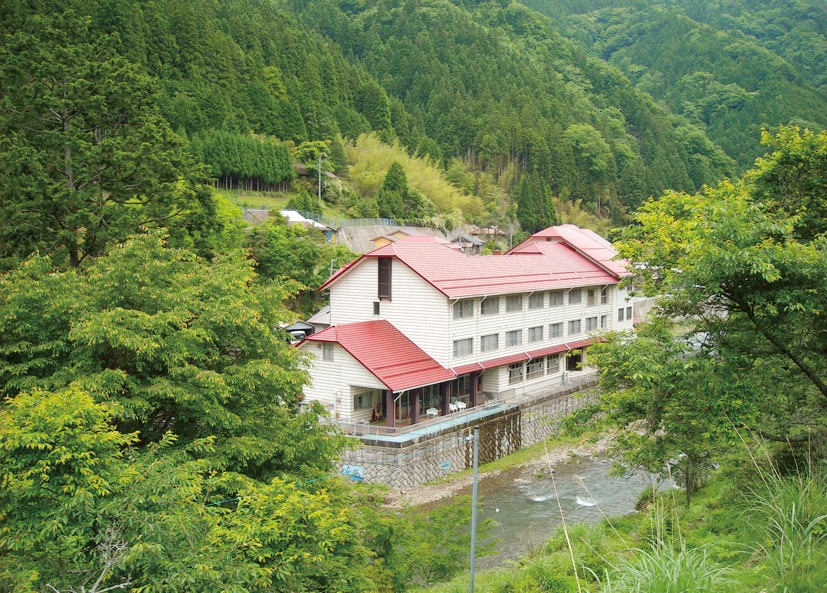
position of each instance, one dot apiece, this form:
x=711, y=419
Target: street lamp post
x=474, y=505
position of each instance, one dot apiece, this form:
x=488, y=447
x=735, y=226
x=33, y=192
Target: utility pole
x=474, y=504
x=320, y=182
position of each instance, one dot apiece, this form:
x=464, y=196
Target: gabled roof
x=585, y=241
x=386, y=353
x=530, y=267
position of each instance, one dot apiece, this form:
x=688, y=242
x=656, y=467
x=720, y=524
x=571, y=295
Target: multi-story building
x=419, y=329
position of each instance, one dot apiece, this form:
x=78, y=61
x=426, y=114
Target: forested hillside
x=491, y=84
x=731, y=68
x=494, y=84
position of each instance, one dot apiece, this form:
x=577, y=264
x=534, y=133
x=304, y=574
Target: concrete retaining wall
x=407, y=467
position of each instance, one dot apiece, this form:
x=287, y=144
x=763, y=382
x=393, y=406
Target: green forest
x=152, y=432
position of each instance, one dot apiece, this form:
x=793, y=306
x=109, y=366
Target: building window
x=490, y=342
x=590, y=297
x=555, y=299
x=462, y=386
x=535, y=334
x=555, y=330
x=514, y=303
x=464, y=309
x=537, y=300
x=620, y=316
x=591, y=324
x=515, y=373
x=575, y=296
x=376, y=308
x=603, y=321
x=363, y=401
x=535, y=368
x=574, y=327
x=327, y=351
x=604, y=296
x=463, y=347
x=514, y=338
x=552, y=364
x=490, y=306
x=629, y=313
x=385, y=264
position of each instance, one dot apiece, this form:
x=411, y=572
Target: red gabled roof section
x=386, y=353
x=521, y=356
x=585, y=241
x=533, y=265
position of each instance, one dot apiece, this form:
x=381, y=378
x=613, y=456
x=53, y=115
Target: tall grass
x=666, y=569
x=789, y=514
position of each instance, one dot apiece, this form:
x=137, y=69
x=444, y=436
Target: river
x=524, y=503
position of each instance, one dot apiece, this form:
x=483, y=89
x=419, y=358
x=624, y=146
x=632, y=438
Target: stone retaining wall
x=408, y=467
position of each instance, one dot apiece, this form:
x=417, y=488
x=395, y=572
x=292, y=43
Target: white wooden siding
x=502, y=322
x=416, y=308
x=333, y=383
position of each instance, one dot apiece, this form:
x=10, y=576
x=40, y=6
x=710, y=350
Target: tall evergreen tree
x=86, y=159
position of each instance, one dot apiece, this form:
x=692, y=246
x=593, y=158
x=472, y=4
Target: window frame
x=469, y=342
x=532, y=331
x=579, y=327
x=490, y=306
x=539, y=369
x=385, y=278
x=509, y=342
x=513, y=298
x=515, y=373
x=486, y=339
x=552, y=327
x=533, y=298
x=556, y=298
x=464, y=309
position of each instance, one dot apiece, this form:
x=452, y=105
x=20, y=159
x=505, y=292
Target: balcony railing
x=575, y=381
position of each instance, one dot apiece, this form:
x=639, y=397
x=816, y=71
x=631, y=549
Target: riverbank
x=543, y=460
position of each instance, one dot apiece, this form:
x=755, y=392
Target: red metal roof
x=386, y=353
x=521, y=357
x=584, y=241
x=540, y=266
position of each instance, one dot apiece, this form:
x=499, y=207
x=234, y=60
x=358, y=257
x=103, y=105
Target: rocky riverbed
x=545, y=462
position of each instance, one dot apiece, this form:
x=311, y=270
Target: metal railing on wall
x=576, y=381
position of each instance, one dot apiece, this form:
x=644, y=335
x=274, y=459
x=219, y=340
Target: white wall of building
x=334, y=382
x=416, y=308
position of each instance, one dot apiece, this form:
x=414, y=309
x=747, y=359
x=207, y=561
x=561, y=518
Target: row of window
x=533, y=369
x=491, y=342
x=537, y=300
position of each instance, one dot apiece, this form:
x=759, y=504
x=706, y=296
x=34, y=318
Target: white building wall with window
x=416, y=308
x=335, y=382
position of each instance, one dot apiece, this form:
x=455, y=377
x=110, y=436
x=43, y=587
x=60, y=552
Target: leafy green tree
x=429, y=548
x=738, y=266
x=535, y=210
x=304, y=202
x=298, y=254
x=679, y=403
x=81, y=509
x=60, y=458
x=179, y=343
x=86, y=158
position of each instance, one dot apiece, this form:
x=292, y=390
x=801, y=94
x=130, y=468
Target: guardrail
x=359, y=429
